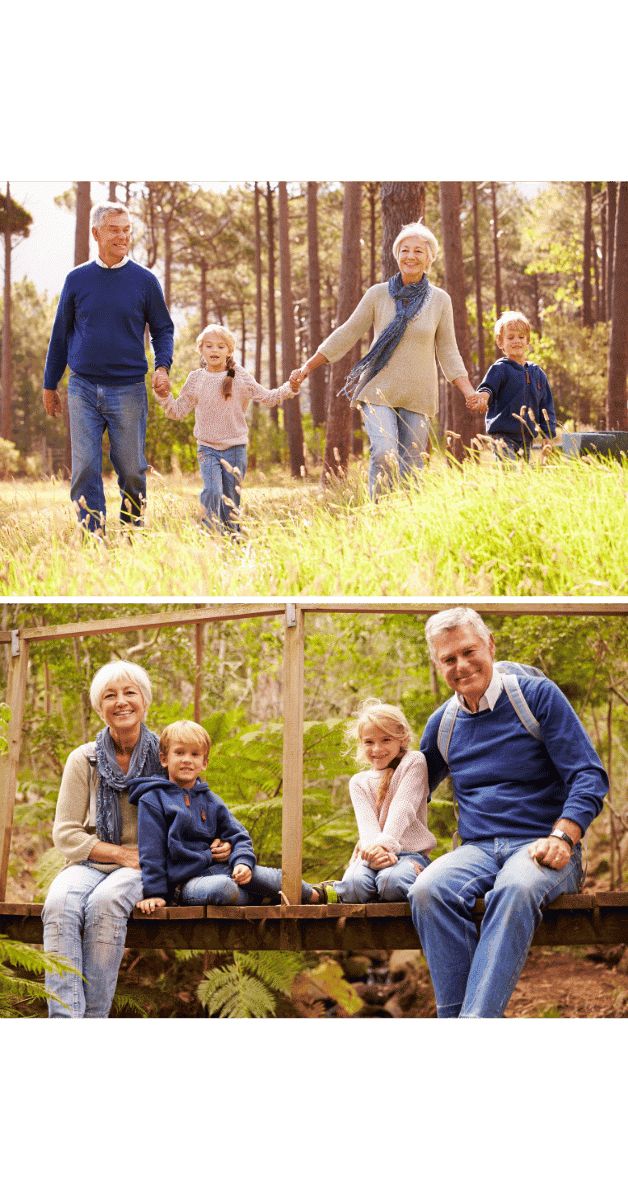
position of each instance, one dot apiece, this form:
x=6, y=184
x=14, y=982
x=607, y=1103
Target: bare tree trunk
x=587, y=299
x=317, y=380
x=604, y=251
x=372, y=190
x=81, y=233
x=611, y=217
x=478, y=281
x=291, y=407
x=462, y=421
x=203, y=266
x=401, y=204
x=339, y=420
x=498, y=274
x=6, y=413
x=112, y=192
x=167, y=228
x=258, y=284
x=618, y=348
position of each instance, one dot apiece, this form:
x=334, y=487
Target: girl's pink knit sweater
x=221, y=423
x=401, y=825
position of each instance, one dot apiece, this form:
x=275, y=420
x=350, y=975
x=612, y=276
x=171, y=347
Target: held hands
x=161, y=383
x=220, y=850
x=52, y=402
x=477, y=402
x=296, y=378
x=241, y=874
x=550, y=852
x=377, y=857
x=149, y=906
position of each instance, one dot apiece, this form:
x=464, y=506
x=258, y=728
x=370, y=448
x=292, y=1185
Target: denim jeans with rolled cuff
x=362, y=884
x=85, y=918
x=397, y=441
x=222, y=472
x=121, y=410
x=474, y=974
x=217, y=887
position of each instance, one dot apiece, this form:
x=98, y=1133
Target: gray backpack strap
x=512, y=688
x=446, y=728
x=93, y=790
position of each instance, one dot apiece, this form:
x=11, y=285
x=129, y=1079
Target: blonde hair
x=188, y=732
x=113, y=672
x=416, y=229
x=227, y=383
x=511, y=318
x=392, y=721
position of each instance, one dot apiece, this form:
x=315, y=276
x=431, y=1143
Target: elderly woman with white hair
x=88, y=905
x=396, y=383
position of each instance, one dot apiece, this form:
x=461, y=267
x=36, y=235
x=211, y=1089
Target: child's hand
x=296, y=378
x=220, y=850
x=477, y=402
x=241, y=874
x=377, y=857
x=161, y=383
x=149, y=906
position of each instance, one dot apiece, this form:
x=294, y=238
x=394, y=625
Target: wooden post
x=199, y=631
x=16, y=693
x=292, y=812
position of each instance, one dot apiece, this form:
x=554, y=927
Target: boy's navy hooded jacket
x=513, y=386
x=175, y=828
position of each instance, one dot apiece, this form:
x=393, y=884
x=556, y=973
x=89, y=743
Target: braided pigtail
x=227, y=383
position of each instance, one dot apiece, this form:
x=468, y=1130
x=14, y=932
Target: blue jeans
x=361, y=884
x=217, y=887
x=398, y=438
x=85, y=918
x=473, y=974
x=122, y=411
x=223, y=472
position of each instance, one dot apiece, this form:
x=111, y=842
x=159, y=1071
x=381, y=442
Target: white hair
x=453, y=618
x=113, y=672
x=416, y=229
x=100, y=211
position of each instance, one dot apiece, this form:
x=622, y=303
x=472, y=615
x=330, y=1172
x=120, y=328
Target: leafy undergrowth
x=498, y=530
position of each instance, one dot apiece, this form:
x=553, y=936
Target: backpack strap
x=93, y=790
x=446, y=728
x=512, y=688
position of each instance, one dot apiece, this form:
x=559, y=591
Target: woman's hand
x=378, y=856
x=296, y=378
x=148, y=906
x=477, y=402
x=220, y=850
x=241, y=874
x=120, y=856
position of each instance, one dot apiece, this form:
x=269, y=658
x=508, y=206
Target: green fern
x=17, y=992
x=276, y=968
x=232, y=992
x=47, y=869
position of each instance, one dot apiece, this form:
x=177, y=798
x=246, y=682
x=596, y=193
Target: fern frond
x=124, y=1001
x=277, y=968
x=229, y=992
x=29, y=958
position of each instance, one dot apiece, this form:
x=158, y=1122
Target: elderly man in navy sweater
x=527, y=782
x=98, y=330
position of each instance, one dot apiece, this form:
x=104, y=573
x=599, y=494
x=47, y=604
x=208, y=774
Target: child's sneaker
x=327, y=892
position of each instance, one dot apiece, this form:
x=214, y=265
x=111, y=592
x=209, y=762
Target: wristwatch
x=564, y=837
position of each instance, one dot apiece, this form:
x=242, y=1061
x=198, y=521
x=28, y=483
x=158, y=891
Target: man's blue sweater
x=175, y=828
x=100, y=321
x=512, y=386
x=506, y=783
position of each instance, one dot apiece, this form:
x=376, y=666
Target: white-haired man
x=103, y=310
x=527, y=782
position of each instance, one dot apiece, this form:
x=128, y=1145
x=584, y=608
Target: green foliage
x=245, y=988
x=5, y=717
x=328, y=976
x=9, y=459
x=18, y=993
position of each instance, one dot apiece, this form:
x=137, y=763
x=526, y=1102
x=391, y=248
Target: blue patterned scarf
x=112, y=781
x=409, y=299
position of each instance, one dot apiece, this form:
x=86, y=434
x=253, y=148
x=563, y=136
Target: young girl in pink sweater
x=390, y=803
x=221, y=391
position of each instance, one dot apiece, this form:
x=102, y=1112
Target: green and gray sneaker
x=327, y=892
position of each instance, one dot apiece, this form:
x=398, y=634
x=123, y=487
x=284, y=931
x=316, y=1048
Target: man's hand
x=220, y=850
x=52, y=402
x=149, y=906
x=242, y=874
x=161, y=383
x=550, y=852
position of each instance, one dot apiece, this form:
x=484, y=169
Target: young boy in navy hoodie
x=518, y=400
x=192, y=849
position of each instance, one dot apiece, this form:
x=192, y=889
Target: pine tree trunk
x=402, y=203
x=462, y=421
x=291, y=408
x=611, y=217
x=112, y=192
x=202, y=298
x=478, y=282
x=272, y=320
x=604, y=253
x=6, y=412
x=317, y=380
x=82, y=230
x=258, y=284
x=587, y=238
x=339, y=417
x=498, y=273
x=618, y=348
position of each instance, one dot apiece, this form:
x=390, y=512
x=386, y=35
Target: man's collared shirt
x=114, y=266
x=490, y=697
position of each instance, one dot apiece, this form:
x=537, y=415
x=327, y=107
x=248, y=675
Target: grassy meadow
x=498, y=529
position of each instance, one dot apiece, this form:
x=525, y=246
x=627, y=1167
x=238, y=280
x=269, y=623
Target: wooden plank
x=187, y=616
x=524, y=605
x=292, y=802
x=16, y=693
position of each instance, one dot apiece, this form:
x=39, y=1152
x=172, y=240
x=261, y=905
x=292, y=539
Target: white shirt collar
x=122, y=263
x=490, y=697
